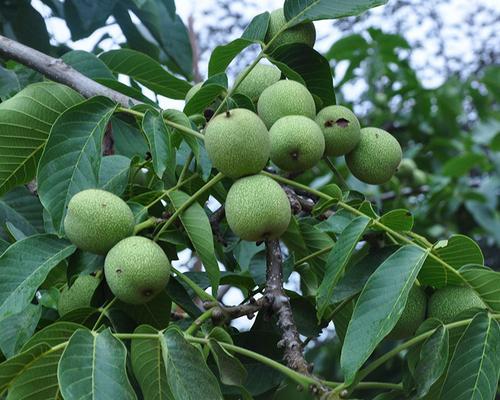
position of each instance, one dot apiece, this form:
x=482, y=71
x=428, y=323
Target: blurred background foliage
x=437, y=92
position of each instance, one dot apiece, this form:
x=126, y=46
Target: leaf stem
x=103, y=313
x=179, y=127
x=403, y=346
x=167, y=191
x=188, y=203
x=374, y=221
x=303, y=380
x=199, y=322
x=237, y=83
x=340, y=179
x=150, y=222
x=186, y=166
x=313, y=255
x=247, y=70
x=197, y=289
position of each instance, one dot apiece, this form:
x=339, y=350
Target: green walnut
x=301, y=33
x=96, y=220
x=446, y=303
x=136, y=270
x=419, y=177
x=78, y=295
x=376, y=157
x=191, y=92
x=237, y=142
x=406, y=168
x=341, y=129
x=257, y=80
x=297, y=143
x=285, y=98
x=413, y=314
x=257, y=208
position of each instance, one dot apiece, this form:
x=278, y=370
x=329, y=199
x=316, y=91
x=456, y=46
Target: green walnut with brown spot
x=136, y=270
x=341, y=130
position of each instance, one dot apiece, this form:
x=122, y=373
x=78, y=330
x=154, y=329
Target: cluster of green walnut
x=136, y=268
x=287, y=130
x=445, y=304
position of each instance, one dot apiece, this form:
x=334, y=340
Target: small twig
x=215, y=219
x=108, y=142
x=340, y=179
x=222, y=314
x=57, y=70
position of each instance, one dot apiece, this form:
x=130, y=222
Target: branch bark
x=293, y=349
x=57, y=70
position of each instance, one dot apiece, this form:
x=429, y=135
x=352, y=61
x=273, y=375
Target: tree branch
x=57, y=70
x=291, y=342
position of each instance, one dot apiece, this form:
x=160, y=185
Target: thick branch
x=57, y=70
x=291, y=342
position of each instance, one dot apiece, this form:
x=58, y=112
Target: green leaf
x=257, y=28
x=475, y=366
x=198, y=228
x=223, y=55
x=231, y=370
x=40, y=378
x=313, y=10
x=310, y=65
x=457, y=251
x=88, y=64
x=16, y=365
x=379, y=307
x=159, y=141
x=485, y=282
x=154, y=312
x=129, y=141
x=113, y=174
x=9, y=83
x=93, y=367
x=84, y=17
x=460, y=165
x=169, y=31
x=398, y=220
x=337, y=261
x=148, y=366
x=187, y=373
x=25, y=122
x=18, y=328
x=203, y=98
x=23, y=268
x=72, y=157
x=304, y=239
x=433, y=361
x=27, y=205
x=356, y=276
x=146, y=71
x=182, y=119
